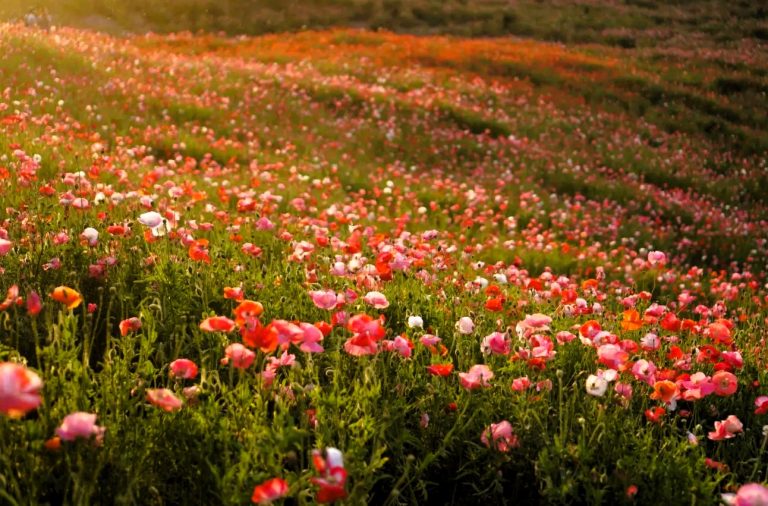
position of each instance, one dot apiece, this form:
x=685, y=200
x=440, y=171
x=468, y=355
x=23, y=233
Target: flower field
x=364, y=268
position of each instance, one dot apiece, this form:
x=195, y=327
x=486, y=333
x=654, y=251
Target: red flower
x=440, y=369
x=654, y=415
x=269, y=491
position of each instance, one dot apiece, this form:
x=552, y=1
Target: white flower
x=596, y=385
x=415, y=322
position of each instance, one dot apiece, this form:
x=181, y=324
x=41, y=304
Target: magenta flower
x=500, y=436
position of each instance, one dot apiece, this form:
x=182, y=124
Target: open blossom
x=19, y=389
x=324, y=299
x=657, y=258
x=415, y=322
x=376, y=299
x=750, y=494
x=217, y=324
x=129, y=325
x=67, y=296
x=725, y=383
x=761, y=404
x=240, y=356
x=596, y=385
x=183, y=368
x=500, y=436
x=164, y=399
x=477, y=377
x=465, y=325
x=79, y=425
x=495, y=343
x=332, y=475
x=726, y=429
x=151, y=219
x=269, y=491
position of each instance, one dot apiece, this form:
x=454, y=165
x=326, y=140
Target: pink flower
x=376, y=299
x=269, y=491
x=183, y=368
x=495, y=343
x=761, y=404
x=477, y=377
x=80, y=425
x=612, y=356
x=324, y=299
x=311, y=337
x=240, y=356
x=34, y=306
x=697, y=387
x=726, y=429
x=725, y=383
x=657, y=258
x=465, y=325
x=164, y=399
x=5, y=246
x=19, y=389
x=750, y=494
x=644, y=371
x=429, y=340
x=520, y=384
x=501, y=436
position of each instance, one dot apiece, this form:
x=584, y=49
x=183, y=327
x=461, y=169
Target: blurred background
x=628, y=23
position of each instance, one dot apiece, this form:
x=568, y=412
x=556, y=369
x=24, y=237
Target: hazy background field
x=626, y=23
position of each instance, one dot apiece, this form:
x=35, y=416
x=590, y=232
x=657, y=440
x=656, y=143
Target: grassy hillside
x=627, y=23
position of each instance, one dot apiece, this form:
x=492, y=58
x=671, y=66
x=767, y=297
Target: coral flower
x=247, y=309
x=19, y=389
x=129, y=325
x=725, y=383
x=665, y=391
x=217, y=324
x=183, y=368
x=269, y=491
x=164, y=399
x=726, y=429
x=440, y=369
x=67, y=296
x=198, y=251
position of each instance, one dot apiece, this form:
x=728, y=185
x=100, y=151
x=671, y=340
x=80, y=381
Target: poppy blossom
x=183, y=368
x=67, y=296
x=79, y=425
x=333, y=475
x=240, y=356
x=477, y=377
x=269, y=491
x=440, y=369
x=164, y=399
x=217, y=324
x=500, y=436
x=19, y=389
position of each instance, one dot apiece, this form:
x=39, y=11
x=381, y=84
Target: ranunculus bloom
x=217, y=324
x=477, y=377
x=183, y=368
x=164, y=399
x=725, y=383
x=240, y=356
x=79, y=425
x=269, y=491
x=500, y=436
x=19, y=389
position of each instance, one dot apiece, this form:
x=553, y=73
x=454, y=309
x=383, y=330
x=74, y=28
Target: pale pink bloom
x=91, y=236
x=151, y=219
x=650, y=342
x=612, y=356
x=477, y=377
x=465, y=325
x=79, y=425
x=520, y=384
x=726, y=429
x=495, y=343
x=5, y=246
x=657, y=258
x=564, y=336
x=500, y=436
x=324, y=299
x=19, y=389
x=240, y=356
x=376, y=299
x=311, y=338
x=429, y=340
x=183, y=368
x=750, y=494
x=164, y=399
x=698, y=386
x=402, y=346
x=623, y=389
x=644, y=370
x=81, y=203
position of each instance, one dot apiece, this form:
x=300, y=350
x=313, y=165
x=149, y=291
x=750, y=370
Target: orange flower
x=67, y=296
x=631, y=320
x=198, y=251
x=247, y=309
x=665, y=391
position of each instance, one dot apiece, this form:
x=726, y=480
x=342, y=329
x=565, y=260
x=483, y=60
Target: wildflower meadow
x=360, y=267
